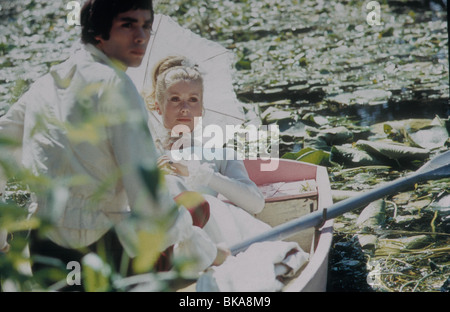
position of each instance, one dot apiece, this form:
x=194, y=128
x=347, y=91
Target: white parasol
x=214, y=61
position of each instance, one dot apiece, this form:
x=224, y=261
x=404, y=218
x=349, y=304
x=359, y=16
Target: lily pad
x=317, y=142
x=373, y=215
x=442, y=205
x=333, y=136
x=309, y=155
x=362, y=97
x=315, y=119
x=352, y=157
x=393, y=150
x=423, y=133
x=430, y=137
x=406, y=219
x=295, y=131
x=273, y=114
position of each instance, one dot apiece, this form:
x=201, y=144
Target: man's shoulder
x=83, y=70
x=93, y=70
x=90, y=68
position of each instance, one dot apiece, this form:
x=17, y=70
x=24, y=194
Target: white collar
x=103, y=58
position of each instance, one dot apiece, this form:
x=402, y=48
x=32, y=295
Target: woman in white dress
x=177, y=97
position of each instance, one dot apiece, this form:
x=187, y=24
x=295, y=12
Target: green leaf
x=316, y=157
x=353, y=157
x=332, y=136
x=5, y=141
x=243, y=64
x=96, y=273
x=393, y=150
x=149, y=250
x=309, y=155
x=152, y=178
x=294, y=156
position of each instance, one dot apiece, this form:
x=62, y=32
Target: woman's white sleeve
x=237, y=187
x=233, y=183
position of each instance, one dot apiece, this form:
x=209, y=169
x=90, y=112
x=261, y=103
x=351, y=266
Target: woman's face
x=182, y=102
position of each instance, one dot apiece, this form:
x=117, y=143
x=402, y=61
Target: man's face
x=129, y=35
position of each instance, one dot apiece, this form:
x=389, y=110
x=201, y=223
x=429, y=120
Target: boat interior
x=295, y=189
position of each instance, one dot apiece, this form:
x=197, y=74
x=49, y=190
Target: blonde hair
x=166, y=72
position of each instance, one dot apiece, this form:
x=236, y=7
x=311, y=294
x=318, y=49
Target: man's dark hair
x=97, y=15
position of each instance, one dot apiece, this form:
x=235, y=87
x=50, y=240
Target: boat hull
x=289, y=205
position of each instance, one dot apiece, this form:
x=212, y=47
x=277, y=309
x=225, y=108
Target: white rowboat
x=293, y=190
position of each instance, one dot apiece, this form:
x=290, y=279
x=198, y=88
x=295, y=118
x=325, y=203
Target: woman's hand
x=169, y=166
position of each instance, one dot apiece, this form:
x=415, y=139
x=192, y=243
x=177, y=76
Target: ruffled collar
x=191, y=139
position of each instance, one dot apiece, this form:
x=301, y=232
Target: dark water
x=368, y=115
x=347, y=266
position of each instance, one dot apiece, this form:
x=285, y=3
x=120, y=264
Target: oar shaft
x=316, y=218
x=370, y=196
x=282, y=231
